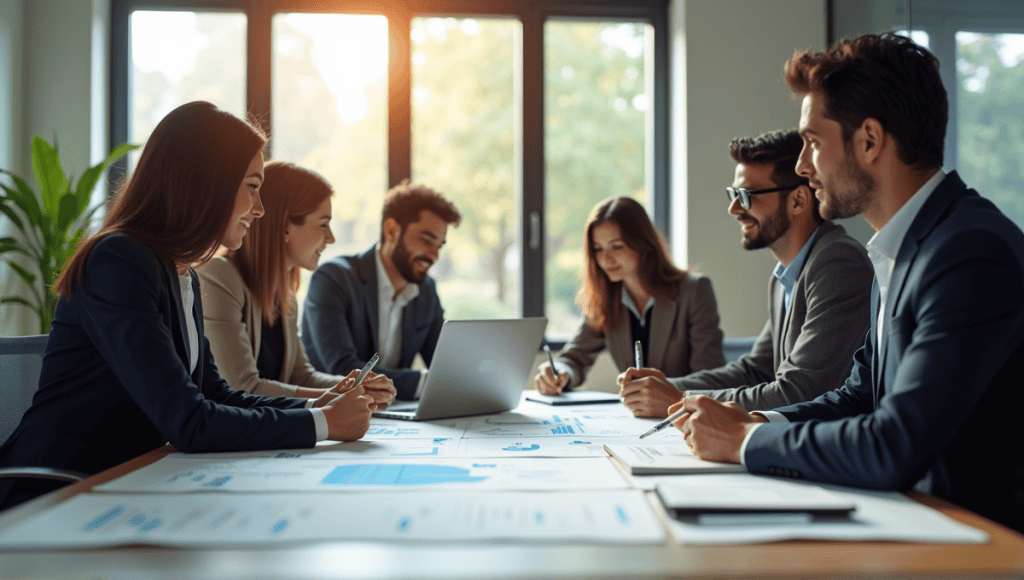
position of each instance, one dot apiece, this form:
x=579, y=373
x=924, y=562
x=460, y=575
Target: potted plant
x=52, y=223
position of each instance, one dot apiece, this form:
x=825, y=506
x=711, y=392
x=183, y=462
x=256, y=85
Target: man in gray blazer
x=819, y=294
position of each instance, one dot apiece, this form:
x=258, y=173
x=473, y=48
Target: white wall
x=727, y=58
x=58, y=87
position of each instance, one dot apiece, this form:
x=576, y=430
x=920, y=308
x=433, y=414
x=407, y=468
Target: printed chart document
x=582, y=446
x=210, y=519
x=544, y=421
x=878, y=516
x=668, y=458
x=196, y=473
x=573, y=398
x=391, y=429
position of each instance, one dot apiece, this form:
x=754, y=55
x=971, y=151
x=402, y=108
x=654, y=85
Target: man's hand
x=348, y=414
x=546, y=381
x=647, y=392
x=381, y=388
x=714, y=431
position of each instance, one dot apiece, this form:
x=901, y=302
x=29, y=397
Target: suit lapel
x=663, y=318
x=778, y=297
x=948, y=190
x=876, y=367
x=181, y=343
x=619, y=341
x=368, y=276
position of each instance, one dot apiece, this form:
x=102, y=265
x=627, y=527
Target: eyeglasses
x=744, y=193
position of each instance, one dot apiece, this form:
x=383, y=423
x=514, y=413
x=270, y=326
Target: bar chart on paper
x=190, y=474
x=210, y=519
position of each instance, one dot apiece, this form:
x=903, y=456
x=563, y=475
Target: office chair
x=734, y=348
x=21, y=359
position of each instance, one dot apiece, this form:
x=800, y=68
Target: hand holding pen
x=679, y=414
x=549, y=381
x=713, y=430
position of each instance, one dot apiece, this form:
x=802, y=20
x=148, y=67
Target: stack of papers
x=666, y=459
x=889, y=516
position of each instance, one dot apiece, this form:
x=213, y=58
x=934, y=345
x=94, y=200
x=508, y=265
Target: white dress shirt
x=389, y=312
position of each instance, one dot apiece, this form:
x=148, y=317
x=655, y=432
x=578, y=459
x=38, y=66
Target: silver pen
x=366, y=369
x=666, y=422
x=638, y=354
x=551, y=360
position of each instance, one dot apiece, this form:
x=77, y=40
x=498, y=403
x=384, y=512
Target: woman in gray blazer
x=249, y=293
x=633, y=292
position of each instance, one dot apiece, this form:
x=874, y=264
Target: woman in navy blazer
x=126, y=367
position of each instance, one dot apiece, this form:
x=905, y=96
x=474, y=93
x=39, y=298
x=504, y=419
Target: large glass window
x=180, y=56
x=464, y=133
x=597, y=105
x=525, y=114
x=329, y=104
x=990, y=117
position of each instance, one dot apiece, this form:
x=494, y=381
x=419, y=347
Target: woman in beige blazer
x=633, y=292
x=249, y=294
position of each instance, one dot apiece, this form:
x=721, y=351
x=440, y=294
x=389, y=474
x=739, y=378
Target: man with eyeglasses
x=819, y=293
x=934, y=397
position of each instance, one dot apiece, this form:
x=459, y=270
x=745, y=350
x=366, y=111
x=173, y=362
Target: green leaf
x=68, y=212
x=17, y=300
x=53, y=183
x=24, y=198
x=11, y=215
x=12, y=245
x=28, y=277
x=83, y=192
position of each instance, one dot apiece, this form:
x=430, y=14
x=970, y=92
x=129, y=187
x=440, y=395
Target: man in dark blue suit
x=933, y=397
x=382, y=301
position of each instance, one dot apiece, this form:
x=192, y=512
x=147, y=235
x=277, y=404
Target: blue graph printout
x=398, y=474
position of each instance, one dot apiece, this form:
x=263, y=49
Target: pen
x=551, y=360
x=638, y=354
x=366, y=368
x=668, y=421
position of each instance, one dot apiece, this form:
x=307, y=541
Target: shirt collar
x=385, y=290
x=887, y=241
x=787, y=275
x=627, y=300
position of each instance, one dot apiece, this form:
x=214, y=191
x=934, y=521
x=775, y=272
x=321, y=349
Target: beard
x=772, y=228
x=843, y=202
x=403, y=261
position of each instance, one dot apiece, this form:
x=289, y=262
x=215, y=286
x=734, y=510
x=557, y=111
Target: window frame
x=532, y=15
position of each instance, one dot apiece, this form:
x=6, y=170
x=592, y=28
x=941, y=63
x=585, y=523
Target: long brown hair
x=179, y=200
x=289, y=194
x=601, y=298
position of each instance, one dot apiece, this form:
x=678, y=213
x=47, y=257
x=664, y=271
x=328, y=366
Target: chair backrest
x=21, y=359
x=734, y=348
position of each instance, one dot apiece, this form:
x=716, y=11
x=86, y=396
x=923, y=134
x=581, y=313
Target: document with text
x=182, y=474
x=210, y=520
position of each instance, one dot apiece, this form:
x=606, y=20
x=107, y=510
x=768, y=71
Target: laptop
x=479, y=367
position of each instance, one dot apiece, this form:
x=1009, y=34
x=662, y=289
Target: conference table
x=1001, y=557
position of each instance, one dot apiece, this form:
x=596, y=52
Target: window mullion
x=399, y=97
x=533, y=217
